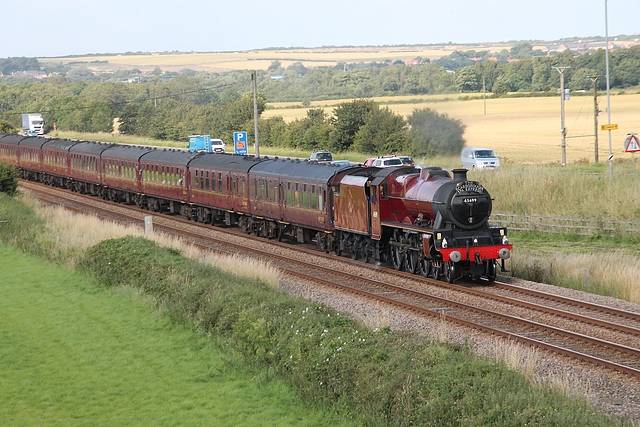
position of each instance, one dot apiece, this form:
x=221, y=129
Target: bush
x=8, y=179
x=6, y=127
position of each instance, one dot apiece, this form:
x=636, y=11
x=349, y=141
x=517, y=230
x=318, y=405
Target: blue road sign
x=240, y=142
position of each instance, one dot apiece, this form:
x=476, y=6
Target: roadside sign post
x=240, y=142
x=632, y=145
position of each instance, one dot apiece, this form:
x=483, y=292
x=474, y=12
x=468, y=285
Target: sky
x=47, y=28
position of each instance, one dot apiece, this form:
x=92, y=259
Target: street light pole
x=254, y=77
x=595, y=114
x=562, y=128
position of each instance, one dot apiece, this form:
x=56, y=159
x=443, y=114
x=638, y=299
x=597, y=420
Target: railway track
x=597, y=334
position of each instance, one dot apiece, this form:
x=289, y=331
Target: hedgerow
x=373, y=377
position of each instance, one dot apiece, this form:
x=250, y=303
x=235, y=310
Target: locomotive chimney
x=459, y=174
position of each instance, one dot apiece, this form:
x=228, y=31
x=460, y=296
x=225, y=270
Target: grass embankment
x=75, y=354
x=329, y=361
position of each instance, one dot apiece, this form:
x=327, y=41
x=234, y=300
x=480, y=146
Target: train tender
x=419, y=220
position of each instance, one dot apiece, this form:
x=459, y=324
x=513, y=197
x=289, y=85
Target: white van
x=217, y=146
x=473, y=158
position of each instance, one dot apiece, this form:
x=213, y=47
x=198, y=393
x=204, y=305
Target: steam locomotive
x=422, y=221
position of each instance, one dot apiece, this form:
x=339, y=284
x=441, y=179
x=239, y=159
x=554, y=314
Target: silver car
x=473, y=158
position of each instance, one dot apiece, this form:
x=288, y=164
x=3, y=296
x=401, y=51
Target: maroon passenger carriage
x=9, y=148
x=421, y=221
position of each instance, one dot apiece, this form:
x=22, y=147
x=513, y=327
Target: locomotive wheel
x=412, y=262
x=397, y=257
x=365, y=250
x=491, y=270
x=452, y=271
x=425, y=267
x=338, y=244
x=355, y=247
x=435, y=270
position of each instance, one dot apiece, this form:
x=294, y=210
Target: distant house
x=580, y=47
x=33, y=73
x=276, y=77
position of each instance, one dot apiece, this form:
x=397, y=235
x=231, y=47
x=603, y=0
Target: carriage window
x=206, y=181
x=219, y=182
x=244, y=187
x=385, y=191
x=322, y=197
x=296, y=196
x=305, y=197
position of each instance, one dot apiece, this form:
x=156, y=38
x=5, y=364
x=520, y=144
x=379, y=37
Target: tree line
x=519, y=69
x=170, y=106
x=180, y=107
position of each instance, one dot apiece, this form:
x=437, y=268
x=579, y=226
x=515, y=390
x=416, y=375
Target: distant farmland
x=262, y=59
x=521, y=130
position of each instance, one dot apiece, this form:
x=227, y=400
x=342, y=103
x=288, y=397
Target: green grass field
x=72, y=353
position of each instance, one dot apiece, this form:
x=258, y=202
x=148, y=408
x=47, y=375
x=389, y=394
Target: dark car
x=321, y=156
x=407, y=160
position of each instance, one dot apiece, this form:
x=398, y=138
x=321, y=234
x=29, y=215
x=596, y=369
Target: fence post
x=587, y=280
x=148, y=225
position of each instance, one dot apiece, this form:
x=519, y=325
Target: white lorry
x=33, y=124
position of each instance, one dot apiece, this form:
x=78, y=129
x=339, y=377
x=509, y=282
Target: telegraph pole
x=255, y=110
x=606, y=56
x=562, y=128
x=595, y=114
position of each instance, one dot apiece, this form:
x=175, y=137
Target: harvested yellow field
x=262, y=59
x=521, y=130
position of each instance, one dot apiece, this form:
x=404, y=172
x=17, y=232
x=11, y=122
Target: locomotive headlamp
x=505, y=241
x=475, y=242
x=444, y=243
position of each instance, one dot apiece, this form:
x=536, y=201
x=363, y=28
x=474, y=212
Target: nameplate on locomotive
x=469, y=187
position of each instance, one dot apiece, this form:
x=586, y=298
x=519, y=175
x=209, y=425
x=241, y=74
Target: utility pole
x=255, y=110
x=484, y=97
x=562, y=128
x=595, y=114
x=606, y=56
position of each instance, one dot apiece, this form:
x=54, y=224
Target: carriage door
x=374, y=211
